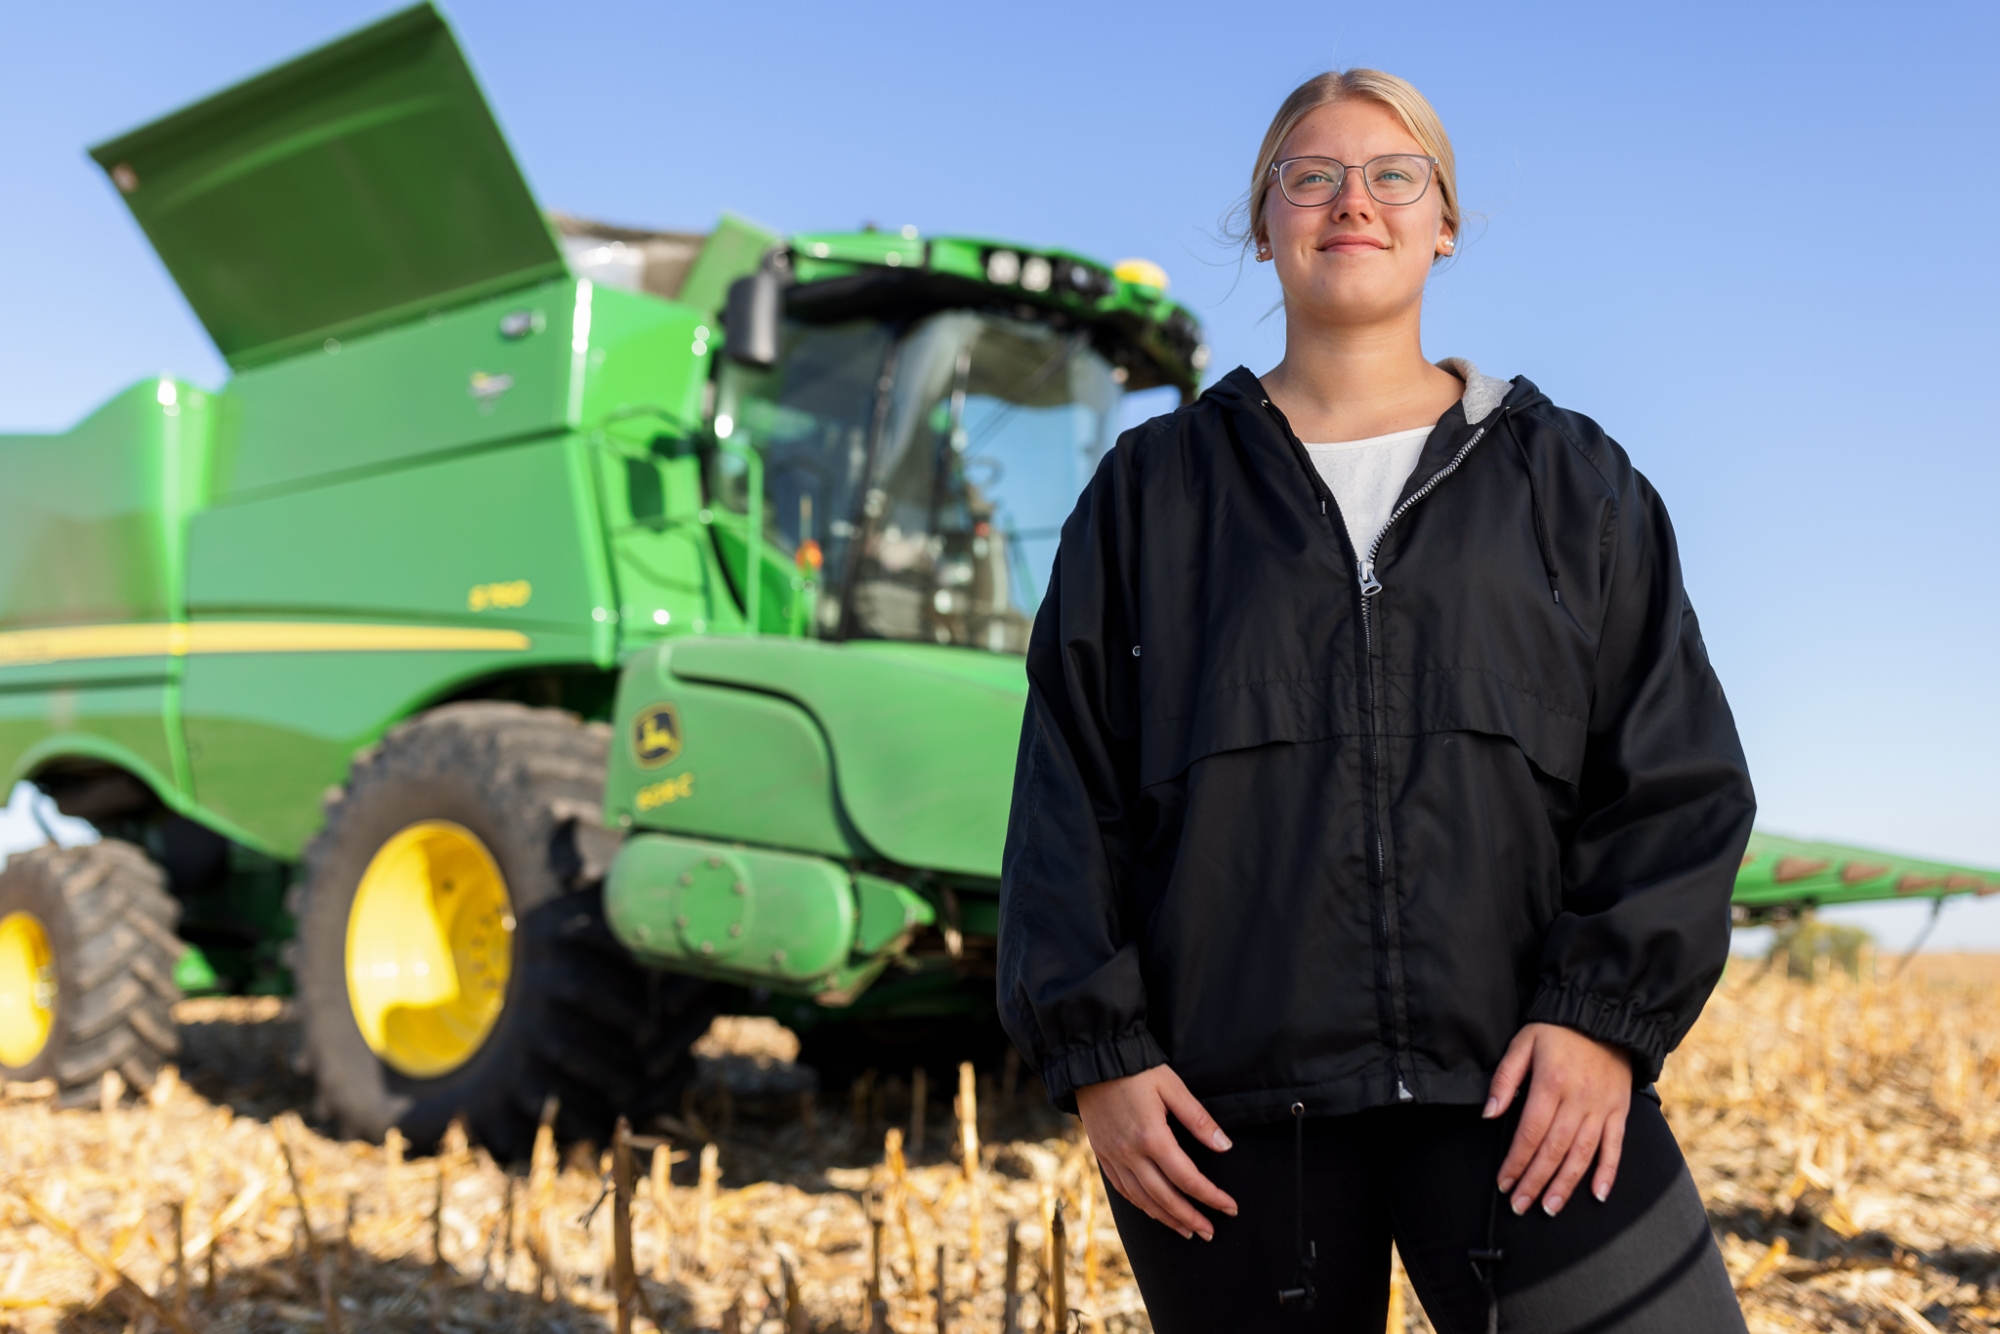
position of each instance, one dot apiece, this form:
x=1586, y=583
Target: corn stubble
x=1844, y=1135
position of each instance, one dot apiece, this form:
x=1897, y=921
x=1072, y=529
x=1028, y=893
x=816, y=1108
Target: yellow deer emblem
x=656, y=736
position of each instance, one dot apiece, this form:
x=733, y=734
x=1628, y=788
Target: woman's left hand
x=1577, y=1100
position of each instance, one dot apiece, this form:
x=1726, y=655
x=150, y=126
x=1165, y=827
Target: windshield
x=921, y=482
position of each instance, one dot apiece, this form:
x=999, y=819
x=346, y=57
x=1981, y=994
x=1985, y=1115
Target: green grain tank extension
x=553, y=633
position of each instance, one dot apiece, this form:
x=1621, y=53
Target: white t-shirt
x=1366, y=476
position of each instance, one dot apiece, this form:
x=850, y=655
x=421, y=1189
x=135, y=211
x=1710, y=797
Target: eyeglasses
x=1394, y=178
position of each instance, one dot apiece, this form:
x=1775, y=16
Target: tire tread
x=116, y=995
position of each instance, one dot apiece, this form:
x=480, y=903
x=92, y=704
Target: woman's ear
x=1447, y=243
x=1263, y=249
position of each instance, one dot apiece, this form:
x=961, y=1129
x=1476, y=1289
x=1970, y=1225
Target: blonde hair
x=1411, y=107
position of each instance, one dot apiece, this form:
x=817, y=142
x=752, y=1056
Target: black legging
x=1642, y=1262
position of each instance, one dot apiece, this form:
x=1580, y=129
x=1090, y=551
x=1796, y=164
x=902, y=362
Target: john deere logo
x=656, y=736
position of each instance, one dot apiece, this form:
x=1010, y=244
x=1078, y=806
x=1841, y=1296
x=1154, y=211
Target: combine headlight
x=1003, y=268
x=1086, y=281
x=1035, y=274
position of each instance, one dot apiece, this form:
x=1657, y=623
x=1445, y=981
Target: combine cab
x=552, y=633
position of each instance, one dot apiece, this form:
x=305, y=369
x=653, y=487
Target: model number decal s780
x=493, y=597
x=665, y=792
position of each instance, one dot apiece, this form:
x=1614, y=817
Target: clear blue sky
x=1754, y=241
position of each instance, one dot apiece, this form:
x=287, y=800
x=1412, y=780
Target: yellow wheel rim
x=27, y=988
x=430, y=945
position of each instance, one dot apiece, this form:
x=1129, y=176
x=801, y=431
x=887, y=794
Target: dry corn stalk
x=119, y=1278
x=1773, y=1256
x=704, y=1209
x=1059, y=1274
x=624, y=1274
x=663, y=1211
x=968, y=1143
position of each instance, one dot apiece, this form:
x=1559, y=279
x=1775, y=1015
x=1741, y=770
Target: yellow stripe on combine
x=76, y=643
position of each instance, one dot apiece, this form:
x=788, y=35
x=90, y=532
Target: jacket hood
x=1483, y=393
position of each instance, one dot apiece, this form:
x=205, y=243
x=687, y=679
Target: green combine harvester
x=553, y=634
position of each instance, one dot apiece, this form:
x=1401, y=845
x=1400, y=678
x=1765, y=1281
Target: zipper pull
x=1403, y=1093
x=1370, y=585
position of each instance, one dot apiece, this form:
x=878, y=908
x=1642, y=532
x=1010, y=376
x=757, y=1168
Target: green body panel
x=889, y=912
x=747, y=914
x=90, y=535
x=414, y=544
x=121, y=723
x=1790, y=872
x=390, y=398
x=751, y=768
x=347, y=190
x=922, y=738
x=267, y=739
x=88, y=518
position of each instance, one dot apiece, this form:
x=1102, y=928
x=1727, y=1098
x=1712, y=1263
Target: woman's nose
x=1353, y=198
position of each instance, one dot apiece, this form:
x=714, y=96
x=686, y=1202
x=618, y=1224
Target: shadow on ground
x=238, y=1052
x=385, y=1296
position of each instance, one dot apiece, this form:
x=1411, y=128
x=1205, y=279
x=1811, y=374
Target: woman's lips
x=1343, y=245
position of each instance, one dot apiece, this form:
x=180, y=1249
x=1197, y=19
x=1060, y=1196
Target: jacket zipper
x=1370, y=586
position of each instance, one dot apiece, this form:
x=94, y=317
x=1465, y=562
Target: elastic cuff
x=1128, y=1053
x=1617, y=1022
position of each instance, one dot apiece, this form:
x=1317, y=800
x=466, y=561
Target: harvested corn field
x=1843, y=1134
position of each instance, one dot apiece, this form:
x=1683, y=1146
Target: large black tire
x=109, y=923
x=579, y=1019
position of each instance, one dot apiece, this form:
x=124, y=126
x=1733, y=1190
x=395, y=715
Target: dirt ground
x=1843, y=1133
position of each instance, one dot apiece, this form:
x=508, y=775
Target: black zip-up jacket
x=1329, y=828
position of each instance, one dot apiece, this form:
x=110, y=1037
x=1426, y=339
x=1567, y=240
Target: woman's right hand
x=1126, y=1120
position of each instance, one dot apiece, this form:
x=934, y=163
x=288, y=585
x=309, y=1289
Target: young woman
x=1377, y=810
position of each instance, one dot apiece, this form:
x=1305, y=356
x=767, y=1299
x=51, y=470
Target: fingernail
x=1208, y=1236
x=1219, y=1140
x=1231, y=1211
x=1186, y=1235
x=1492, y=1108
x=1552, y=1205
x=1520, y=1205
x=1506, y=1184
x=1602, y=1193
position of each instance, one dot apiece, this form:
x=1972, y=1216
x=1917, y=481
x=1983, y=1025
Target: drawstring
x=1486, y=1262
x=1303, y=1292
x=1534, y=503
